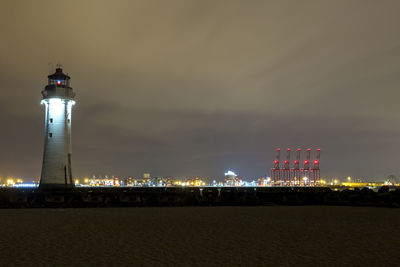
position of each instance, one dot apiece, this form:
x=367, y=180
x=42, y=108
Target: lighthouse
x=58, y=100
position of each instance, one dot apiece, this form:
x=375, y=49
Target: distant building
x=231, y=179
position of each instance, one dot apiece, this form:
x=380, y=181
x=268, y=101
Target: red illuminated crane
x=305, y=172
x=295, y=172
x=275, y=171
x=286, y=168
x=306, y=175
x=316, y=167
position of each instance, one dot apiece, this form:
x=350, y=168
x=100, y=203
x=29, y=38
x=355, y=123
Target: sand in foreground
x=227, y=236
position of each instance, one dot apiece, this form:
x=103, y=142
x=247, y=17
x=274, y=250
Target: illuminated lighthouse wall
x=58, y=101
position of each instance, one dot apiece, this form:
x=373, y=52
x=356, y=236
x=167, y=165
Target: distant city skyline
x=196, y=88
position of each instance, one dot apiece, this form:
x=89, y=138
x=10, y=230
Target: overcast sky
x=186, y=88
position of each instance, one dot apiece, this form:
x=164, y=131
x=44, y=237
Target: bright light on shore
x=230, y=173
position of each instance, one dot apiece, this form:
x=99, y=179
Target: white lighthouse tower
x=58, y=99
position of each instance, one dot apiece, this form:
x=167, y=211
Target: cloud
x=195, y=87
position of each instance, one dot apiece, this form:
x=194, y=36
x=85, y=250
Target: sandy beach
x=201, y=236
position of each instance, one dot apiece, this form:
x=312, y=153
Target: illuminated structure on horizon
x=296, y=176
x=58, y=99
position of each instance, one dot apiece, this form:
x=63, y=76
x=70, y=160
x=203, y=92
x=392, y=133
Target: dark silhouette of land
x=195, y=196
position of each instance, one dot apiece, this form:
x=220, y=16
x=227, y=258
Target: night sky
x=185, y=88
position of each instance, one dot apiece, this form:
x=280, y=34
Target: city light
x=230, y=173
x=26, y=185
x=230, y=181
